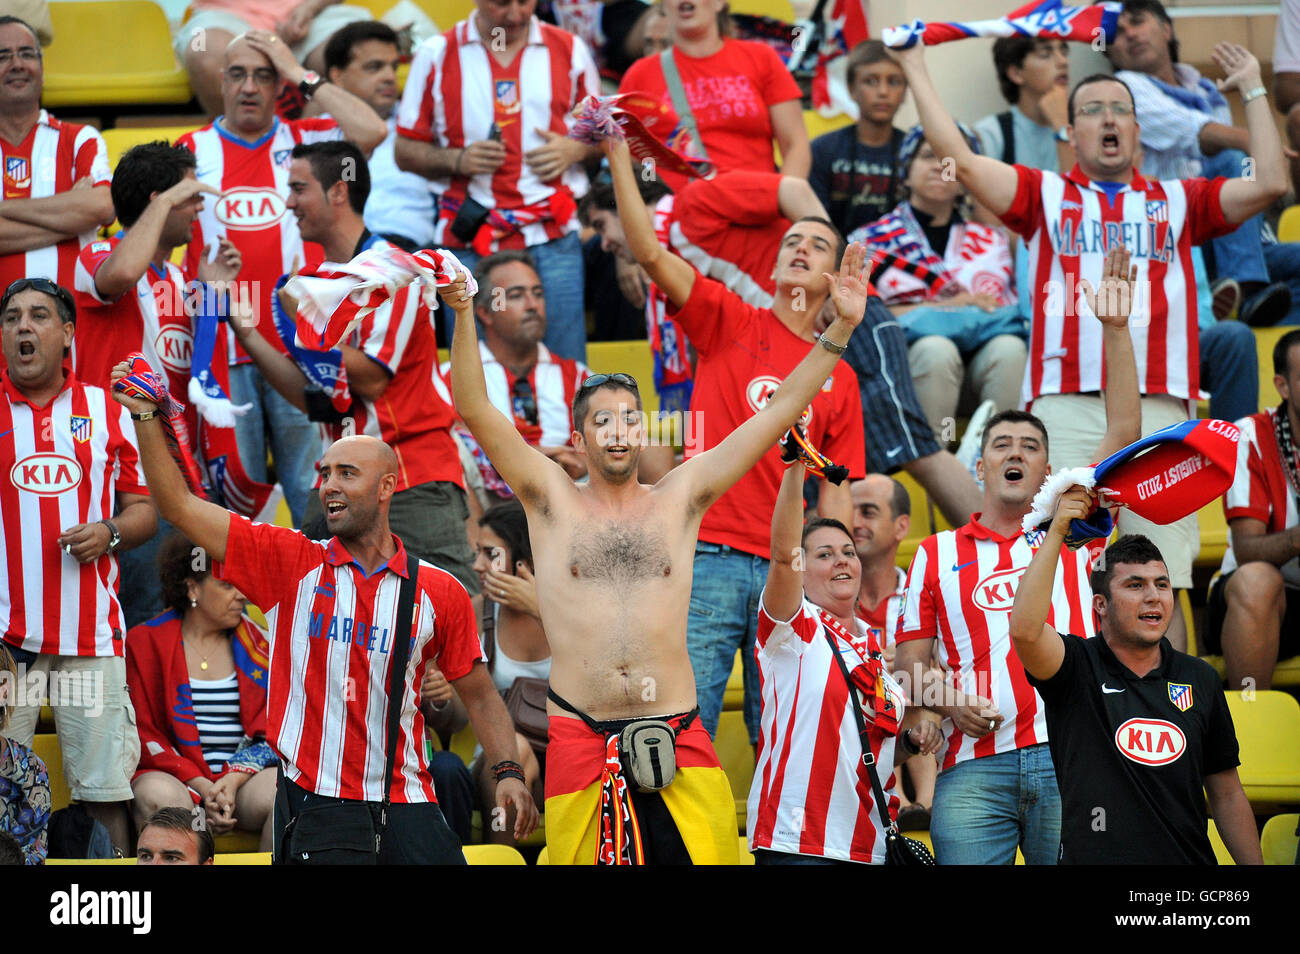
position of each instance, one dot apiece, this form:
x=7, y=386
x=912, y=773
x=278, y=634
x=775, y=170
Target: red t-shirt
x=730, y=94
x=744, y=355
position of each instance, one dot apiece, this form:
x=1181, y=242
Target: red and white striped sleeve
x=91, y=157
x=919, y=617
x=415, y=111
x=1248, y=495
x=799, y=630
x=129, y=479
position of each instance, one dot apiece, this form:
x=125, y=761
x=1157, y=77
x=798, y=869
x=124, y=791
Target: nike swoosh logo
x=895, y=452
x=955, y=567
x=1107, y=689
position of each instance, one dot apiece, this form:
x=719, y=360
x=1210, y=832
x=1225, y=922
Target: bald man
x=332, y=610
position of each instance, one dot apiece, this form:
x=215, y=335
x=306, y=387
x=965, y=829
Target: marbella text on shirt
x=345, y=629
x=1151, y=239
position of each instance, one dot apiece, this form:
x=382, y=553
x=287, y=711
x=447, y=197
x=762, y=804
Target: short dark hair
x=1157, y=10
x=509, y=522
x=600, y=197
x=338, y=48
x=8, y=19
x=1009, y=51
x=1282, y=351
x=331, y=160
x=900, y=503
x=865, y=54
x=181, y=819
x=144, y=169
x=840, y=243
x=484, y=269
x=1132, y=548
x=176, y=567
x=1011, y=417
x=1098, y=78
x=582, y=399
x=818, y=523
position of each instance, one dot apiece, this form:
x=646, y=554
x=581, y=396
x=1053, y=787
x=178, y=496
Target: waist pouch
x=332, y=833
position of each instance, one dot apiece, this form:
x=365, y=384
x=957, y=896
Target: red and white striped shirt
x=456, y=93
x=253, y=178
x=553, y=381
x=883, y=621
x=61, y=465
x=1069, y=223
x=960, y=589
x=412, y=416
x=330, y=629
x=150, y=318
x=1260, y=489
x=811, y=793
x=50, y=160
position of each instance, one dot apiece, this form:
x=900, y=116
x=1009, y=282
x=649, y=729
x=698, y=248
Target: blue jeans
x=1238, y=254
x=723, y=617
x=140, y=589
x=1230, y=370
x=294, y=441
x=763, y=856
x=984, y=808
x=1283, y=260
x=561, y=268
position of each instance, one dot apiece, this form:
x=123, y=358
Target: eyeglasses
x=1096, y=109
x=523, y=401
x=262, y=76
x=45, y=286
x=26, y=54
x=618, y=377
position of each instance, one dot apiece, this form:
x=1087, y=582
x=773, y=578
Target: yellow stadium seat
x=544, y=857
x=920, y=528
x=492, y=855
x=243, y=858
x=47, y=747
x=631, y=357
x=112, y=53
x=736, y=756
x=733, y=698
x=1185, y=606
x=238, y=842
x=1288, y=226
x=1265, y=340
x=121, y=138
x=1278, y=839
x=1268, y=733
x=819, y=125
x=1214, y=534
x=746, y=856
x=776, y=9
x=1221, y=853
x=90, y=861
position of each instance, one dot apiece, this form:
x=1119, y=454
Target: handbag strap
x=681, y=106
x=397, y=678
x=868, y=759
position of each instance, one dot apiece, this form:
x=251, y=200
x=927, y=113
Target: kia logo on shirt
x=997, y=591
x=249, y=208
x=174, y=346
x=1151, y=741
x=760, y=390
x=45, y=474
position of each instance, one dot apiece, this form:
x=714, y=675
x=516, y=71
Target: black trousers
x=416, y=833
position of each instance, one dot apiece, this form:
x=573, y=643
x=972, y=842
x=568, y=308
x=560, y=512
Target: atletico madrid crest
x=1180, y=694
x=81, y=427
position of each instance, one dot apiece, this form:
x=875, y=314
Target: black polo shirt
x=1131, y=754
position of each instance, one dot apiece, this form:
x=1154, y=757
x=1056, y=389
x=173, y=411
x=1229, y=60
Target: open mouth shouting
x=335, y=508
x=1110, y=144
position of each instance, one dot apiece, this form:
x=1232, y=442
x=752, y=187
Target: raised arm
x=797, y=199
x=673, y=276
x=204, y=523
x=711, y=473
x=1040, y=648
x=784, y=590
x=123, y=268
x=992, y=182
x=1111, y=302
x=529, y=472
x=1243, y=197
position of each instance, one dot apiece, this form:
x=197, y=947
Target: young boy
x=854, y=169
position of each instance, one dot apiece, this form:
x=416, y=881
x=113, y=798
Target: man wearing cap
x=70, y=497
x=1137, y=728
x=996, y=788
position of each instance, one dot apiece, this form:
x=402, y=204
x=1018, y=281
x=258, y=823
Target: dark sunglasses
x=524, y=401
x=45, y=286
x=618, y=377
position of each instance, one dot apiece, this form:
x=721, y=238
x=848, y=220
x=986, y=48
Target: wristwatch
x=311, y=81
x=831, y=346
x=144, y=415
x=114, y=536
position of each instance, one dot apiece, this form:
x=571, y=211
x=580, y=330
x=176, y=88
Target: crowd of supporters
x=312, y=152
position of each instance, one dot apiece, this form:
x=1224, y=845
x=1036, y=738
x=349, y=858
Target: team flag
x=1048, y=19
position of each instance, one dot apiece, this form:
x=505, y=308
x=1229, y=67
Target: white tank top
x=506, y=670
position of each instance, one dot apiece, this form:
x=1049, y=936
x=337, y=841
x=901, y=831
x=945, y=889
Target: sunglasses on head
x=618, y=377
x=45, y=286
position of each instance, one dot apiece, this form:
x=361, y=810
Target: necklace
x=203, y=663
x=1286, y=448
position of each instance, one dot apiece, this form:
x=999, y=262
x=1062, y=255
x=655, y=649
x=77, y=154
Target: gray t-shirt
x=1035, y=145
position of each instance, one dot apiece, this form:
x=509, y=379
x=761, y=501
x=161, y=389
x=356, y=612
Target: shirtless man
x=613, y=561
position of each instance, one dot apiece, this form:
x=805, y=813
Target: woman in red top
x=197, y=675
x=740, y=93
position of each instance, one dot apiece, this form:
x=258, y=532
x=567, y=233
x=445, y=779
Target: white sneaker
x=968, y=451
